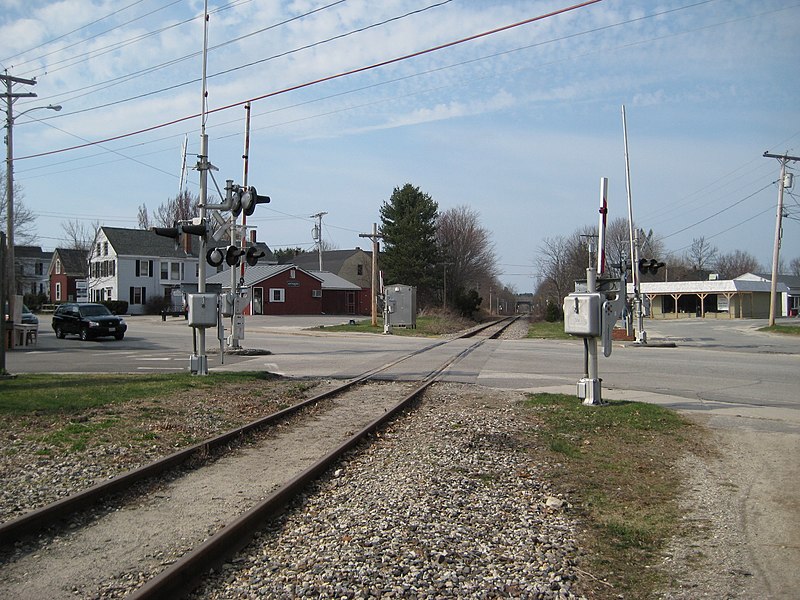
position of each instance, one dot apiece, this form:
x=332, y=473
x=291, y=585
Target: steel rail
x=54, y=512
x=180, y=578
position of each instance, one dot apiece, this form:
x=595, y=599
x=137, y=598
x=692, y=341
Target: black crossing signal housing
x=650, y=265
x=253, y=254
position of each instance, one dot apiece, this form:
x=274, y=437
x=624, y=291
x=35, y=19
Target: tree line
x=563, y=259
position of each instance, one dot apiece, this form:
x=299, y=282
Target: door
x=258, y=301
x=351, y=303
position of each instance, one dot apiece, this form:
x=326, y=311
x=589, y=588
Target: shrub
x=117, y=307
x=553, y=312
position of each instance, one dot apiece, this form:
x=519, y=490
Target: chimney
x=253, y=236
x=187, y=243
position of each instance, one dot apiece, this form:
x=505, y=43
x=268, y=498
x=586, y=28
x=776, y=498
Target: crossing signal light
x=232, y=255
x=650, y=265
x=253, y=254
x=170, y=232
x=250, y=199
x=215, y=256
x=236, y=200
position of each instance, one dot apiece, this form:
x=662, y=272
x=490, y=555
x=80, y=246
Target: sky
x=511, y=108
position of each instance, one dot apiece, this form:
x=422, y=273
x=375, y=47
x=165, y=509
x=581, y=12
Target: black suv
x=88, y=321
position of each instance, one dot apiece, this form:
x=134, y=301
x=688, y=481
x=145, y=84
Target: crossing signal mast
x=206, y=310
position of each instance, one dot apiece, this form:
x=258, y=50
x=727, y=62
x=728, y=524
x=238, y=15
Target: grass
x=616, y=464
x=73, y=413
x=785, y=329
x=64, y=394
x=548, y=331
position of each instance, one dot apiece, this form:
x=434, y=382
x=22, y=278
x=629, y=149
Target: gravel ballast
x=444, y=504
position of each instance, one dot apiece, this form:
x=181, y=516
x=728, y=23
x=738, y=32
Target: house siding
x=297, y=294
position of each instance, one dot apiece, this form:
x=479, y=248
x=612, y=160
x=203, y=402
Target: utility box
x=203, y=310
x=582, y=314
x=402, y=300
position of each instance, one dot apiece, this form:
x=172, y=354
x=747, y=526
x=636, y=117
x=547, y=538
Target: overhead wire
x=250, y=64
x=103, y=85
x=94, y=36
x=76, y=30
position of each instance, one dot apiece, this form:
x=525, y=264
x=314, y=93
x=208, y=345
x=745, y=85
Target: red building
x=290, y=290
x=66, y=267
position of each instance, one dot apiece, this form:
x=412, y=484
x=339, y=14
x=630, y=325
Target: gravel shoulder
x=742, y=520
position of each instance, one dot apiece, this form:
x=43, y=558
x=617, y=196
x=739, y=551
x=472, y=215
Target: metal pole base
x=589, y=391
x=198, y=364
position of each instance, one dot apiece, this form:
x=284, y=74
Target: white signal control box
x=203, y=310
x=582, y=314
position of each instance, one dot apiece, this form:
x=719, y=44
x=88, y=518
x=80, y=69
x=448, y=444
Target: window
x=164, y=270
x=316, y=293
x=276, y=295
x=58, y=291
x=360, y=269
x=175, y=271
x=39, y=268
x=58, y=266
x=105, y=248
x=144, y=268
x=292, y=273
x=98, y=248
x=138, y=295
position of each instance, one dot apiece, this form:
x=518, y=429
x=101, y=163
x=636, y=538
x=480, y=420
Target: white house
x=136, y=265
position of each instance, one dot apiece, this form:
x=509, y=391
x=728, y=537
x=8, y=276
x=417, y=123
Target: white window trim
x=282, y=295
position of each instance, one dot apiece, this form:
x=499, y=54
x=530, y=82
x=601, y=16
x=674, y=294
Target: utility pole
x=198, y=362
x=374, y=236
x=318, y=234
x=10, y=274
x=773, y=292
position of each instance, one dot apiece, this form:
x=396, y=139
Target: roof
x=31, y=252
x=73, y=261
x=333, y=260
x=256, y=274
x=143, y=242
x=793, y=281
x=719, y=286
x=331, y=281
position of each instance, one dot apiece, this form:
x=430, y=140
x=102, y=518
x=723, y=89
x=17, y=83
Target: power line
x=339, y=75
x=55, y=39
x=244, y=66
x=103, y=85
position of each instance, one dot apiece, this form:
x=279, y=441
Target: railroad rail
x=179, y=578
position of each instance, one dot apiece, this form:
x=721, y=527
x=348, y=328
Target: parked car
x=88, y=321
x=28, y=318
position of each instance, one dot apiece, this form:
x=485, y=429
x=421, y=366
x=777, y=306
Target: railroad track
x=226, y=495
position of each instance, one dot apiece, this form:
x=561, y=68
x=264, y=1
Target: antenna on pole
x=182, y=182
x=641, y=335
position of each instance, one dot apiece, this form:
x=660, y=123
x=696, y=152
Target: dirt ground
x=743, y=514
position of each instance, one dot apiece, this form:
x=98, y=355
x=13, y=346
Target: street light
x=11, y=279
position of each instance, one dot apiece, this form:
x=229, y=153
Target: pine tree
x=408, y=226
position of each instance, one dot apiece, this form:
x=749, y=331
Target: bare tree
x=701, y=255
x=794, y=266
x=182, y=207
x=561, y=261
x=78, y=235
x=24, y=218
x=467, y=251
x=143, y=217
x=733, y=264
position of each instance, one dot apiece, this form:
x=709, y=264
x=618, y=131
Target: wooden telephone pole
x=784, y=158
x=374, y=236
